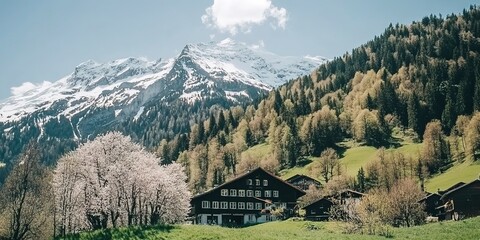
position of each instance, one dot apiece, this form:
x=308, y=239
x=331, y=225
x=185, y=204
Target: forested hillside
x=420, y=79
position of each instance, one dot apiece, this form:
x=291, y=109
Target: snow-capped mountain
x=96, y=96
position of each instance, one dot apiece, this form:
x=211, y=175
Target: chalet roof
x=456, y=185
x=343, y=192
x=429, y=195
x=246, y=174
x=459, y=188
x=351, y=191
x=296, y=176
x=319, y=200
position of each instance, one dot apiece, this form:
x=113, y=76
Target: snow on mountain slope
x=95, y=95
x=237, y=64
x=91, y=84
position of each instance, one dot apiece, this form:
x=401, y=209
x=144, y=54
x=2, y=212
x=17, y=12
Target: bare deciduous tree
x=25, y=198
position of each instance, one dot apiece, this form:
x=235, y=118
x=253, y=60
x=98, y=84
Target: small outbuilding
x=431, y=201
x=461, y=202
x=303, y=181
x=318, y=210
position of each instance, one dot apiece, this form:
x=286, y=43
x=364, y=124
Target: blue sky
x=45, y=40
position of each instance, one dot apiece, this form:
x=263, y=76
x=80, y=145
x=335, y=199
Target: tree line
x=420, y=79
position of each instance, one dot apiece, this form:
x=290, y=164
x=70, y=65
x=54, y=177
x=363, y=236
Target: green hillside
x=467, y=229
x=359, y=156
x=466, y=172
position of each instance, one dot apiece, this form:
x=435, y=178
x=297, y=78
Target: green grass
x=460, y=172
x=288, y=230
x=357, y=157
x=258, y=151
x=353, y=158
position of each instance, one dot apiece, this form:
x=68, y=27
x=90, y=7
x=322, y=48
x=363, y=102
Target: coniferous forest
x=421, y=78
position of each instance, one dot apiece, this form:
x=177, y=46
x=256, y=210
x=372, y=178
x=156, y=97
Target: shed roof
x=459, y=188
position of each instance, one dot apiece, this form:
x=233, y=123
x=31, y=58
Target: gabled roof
x=343, y=192
x=246, y=174
x=319, y=200
x=351, y=191
x=459, y=188
x=456, y=185
x=296, y=176
x=429, y=195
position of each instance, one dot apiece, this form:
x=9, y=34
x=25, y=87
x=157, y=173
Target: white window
x=215, y=204
x=268, y=193
x=258, y=206
x=251, y=218
x=241, y=193
x=249, y=182
x=233, y=192
x=224, y=192
x=258, y=193
x=223, y=205
x=265, y=182
x=283, y=205
x=249, y=193
x=241, y=205
x=275, y=193
x=233, y=205
x=205, y=204
x=249, y=205
x=257, y=182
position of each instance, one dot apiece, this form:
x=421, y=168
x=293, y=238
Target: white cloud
x=241, y=15
x=261, y=44
x=27, y=87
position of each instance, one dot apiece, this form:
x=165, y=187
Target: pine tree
x=413, y=112
x=221, y=122
x=361, y=180
x=448, y=115
x=476, y=95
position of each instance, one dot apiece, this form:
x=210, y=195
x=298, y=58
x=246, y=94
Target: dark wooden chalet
x=348, y=196
x=303, y=182
x=431, y=201
x=318, y=210
x=245, y=200
x=456, y=185
x=461, y=202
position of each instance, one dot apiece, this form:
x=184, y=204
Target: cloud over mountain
x=241, y=15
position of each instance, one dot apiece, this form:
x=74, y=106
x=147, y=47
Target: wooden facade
x=318, y=210
x=461, y=202
x=431, y=201
x=303, y=182
x=246, y=199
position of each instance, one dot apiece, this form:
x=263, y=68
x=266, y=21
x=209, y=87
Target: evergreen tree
x=413, y=113
x=361, y=180
x=222, y=122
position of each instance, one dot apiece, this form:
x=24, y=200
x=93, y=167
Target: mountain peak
x=227, y=41
x=228, y=70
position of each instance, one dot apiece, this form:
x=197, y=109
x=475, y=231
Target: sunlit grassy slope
x=355, y=157
x=460, y=172
x=289, y=229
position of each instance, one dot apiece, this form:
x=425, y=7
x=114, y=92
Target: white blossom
x=112, y=182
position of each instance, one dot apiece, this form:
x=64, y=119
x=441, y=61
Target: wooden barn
x=303, y=181
x=318, y=210
x=461, y=202
x=431, y=201
x=247, y=199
